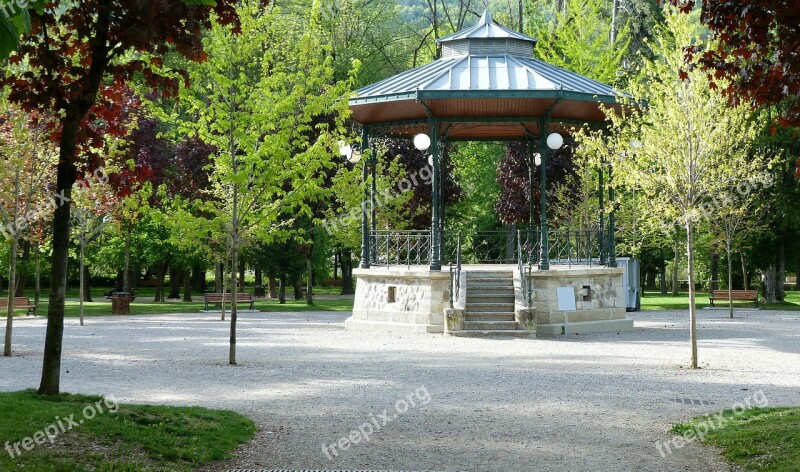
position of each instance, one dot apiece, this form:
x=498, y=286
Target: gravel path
x=586, y=403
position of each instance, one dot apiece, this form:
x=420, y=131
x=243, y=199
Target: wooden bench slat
x=241, y=298
x=738, y=295
x=24, y=303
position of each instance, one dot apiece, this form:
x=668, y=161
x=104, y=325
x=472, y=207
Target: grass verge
x=759, y=439
x=657, y=301
x=108, y=436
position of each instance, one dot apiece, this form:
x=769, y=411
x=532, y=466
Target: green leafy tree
x=683, y=149
x=256, y=99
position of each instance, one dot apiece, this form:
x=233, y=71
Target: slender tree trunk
x=336, y=258
x=273, y=289
x=769, y=283
x=282, y=290
x=714, y=284
x=675, y=263
x=297, y=285
x=12, y=273
x=744, y=272
x=692, y=306
x=83, y=274
x=309, y=280
x=87, y=283
x=175, y=281
x=224, y=288
x=780, y=270
x=187, y=285
x=614, y=22
x=37, y=294
x=126, y=268
x=161, y=270
x=242, y=274
x=662, y=280
x=218, y=277
x=730, y=278
x=797, y=275
x=22, y=277
x=347, y=273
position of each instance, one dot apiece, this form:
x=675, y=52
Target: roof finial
x=486, y=18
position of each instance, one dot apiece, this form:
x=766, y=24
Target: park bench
x=739, y=295
x=218, y=298
x=23, y=303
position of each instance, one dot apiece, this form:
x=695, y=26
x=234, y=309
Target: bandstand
x=487, y=86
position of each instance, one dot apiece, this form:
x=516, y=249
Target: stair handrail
x=525, y=285
x=455, y=274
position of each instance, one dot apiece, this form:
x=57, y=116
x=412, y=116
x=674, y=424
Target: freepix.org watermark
x=15, y=7
x=61, y=425
x=419, y=397
x=715, y=421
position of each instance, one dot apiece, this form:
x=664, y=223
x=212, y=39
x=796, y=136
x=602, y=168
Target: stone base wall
x=400, y=300
x=599, y=298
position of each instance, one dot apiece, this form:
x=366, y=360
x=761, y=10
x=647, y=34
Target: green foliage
x=578, y=38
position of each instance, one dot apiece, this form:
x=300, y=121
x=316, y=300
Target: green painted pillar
x=365, y=236
x=612, y=241
x=436, y=254
x=544, y=255
x=601, y=196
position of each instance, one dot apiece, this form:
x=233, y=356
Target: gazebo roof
x=487, y=85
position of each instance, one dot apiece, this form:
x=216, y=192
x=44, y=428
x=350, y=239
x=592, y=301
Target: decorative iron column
x=365, y=237
x=612, y=242
x=600, y=196
x=373, y=162
x=544, y=255
x=436, y=254
x=531, y=167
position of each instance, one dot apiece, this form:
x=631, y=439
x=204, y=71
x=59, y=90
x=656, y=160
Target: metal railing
x=576, y=247
x=388, y=247
x=455, y=274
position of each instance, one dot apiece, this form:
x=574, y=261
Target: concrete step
x=508, y=333
x=489, y=298
x=490, y=274
x=476, y=307
x=490, y=316
x=490, y=325
x=493, y=292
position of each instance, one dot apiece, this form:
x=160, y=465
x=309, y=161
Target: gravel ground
x=585, y=403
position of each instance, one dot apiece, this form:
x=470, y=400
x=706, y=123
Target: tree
x=756, y=48
x=257, y=99
x=71, y=52
x=28, y=158
x=89, y=215
x=684, y=148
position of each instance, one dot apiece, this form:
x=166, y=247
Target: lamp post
x=554, y=141
x=353, y=155
x=423, y=142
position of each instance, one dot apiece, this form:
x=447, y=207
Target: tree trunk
x=161, y=271
x=187, y=285
x=675, y=263
x=730, y=279
x=769, y=283
x=259, y=278
x=82, y=272
x=336, y=258
x=87, y=283
x=22, y=277
x=797, y=275
x=347, y=272
x=37, y=294
x=780, y=270
x=198, y=279
x=224, y=289
x=12, y=272
x=714, y=284
x=51, y=363
x=282, y=290
x=310, y=280
x=692, y=306
x=175, y=281
x=662, y=280
x=126, y=268
x=744, y=272
x=242, y=273
x=218, y=277
x=273, y=290
x=297, y=285
x=650, y=280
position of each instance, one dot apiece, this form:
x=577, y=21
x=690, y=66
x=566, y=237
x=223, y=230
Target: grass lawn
x=106, y=436
x=144, y=305
x=761, y=439
x=657, y=301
